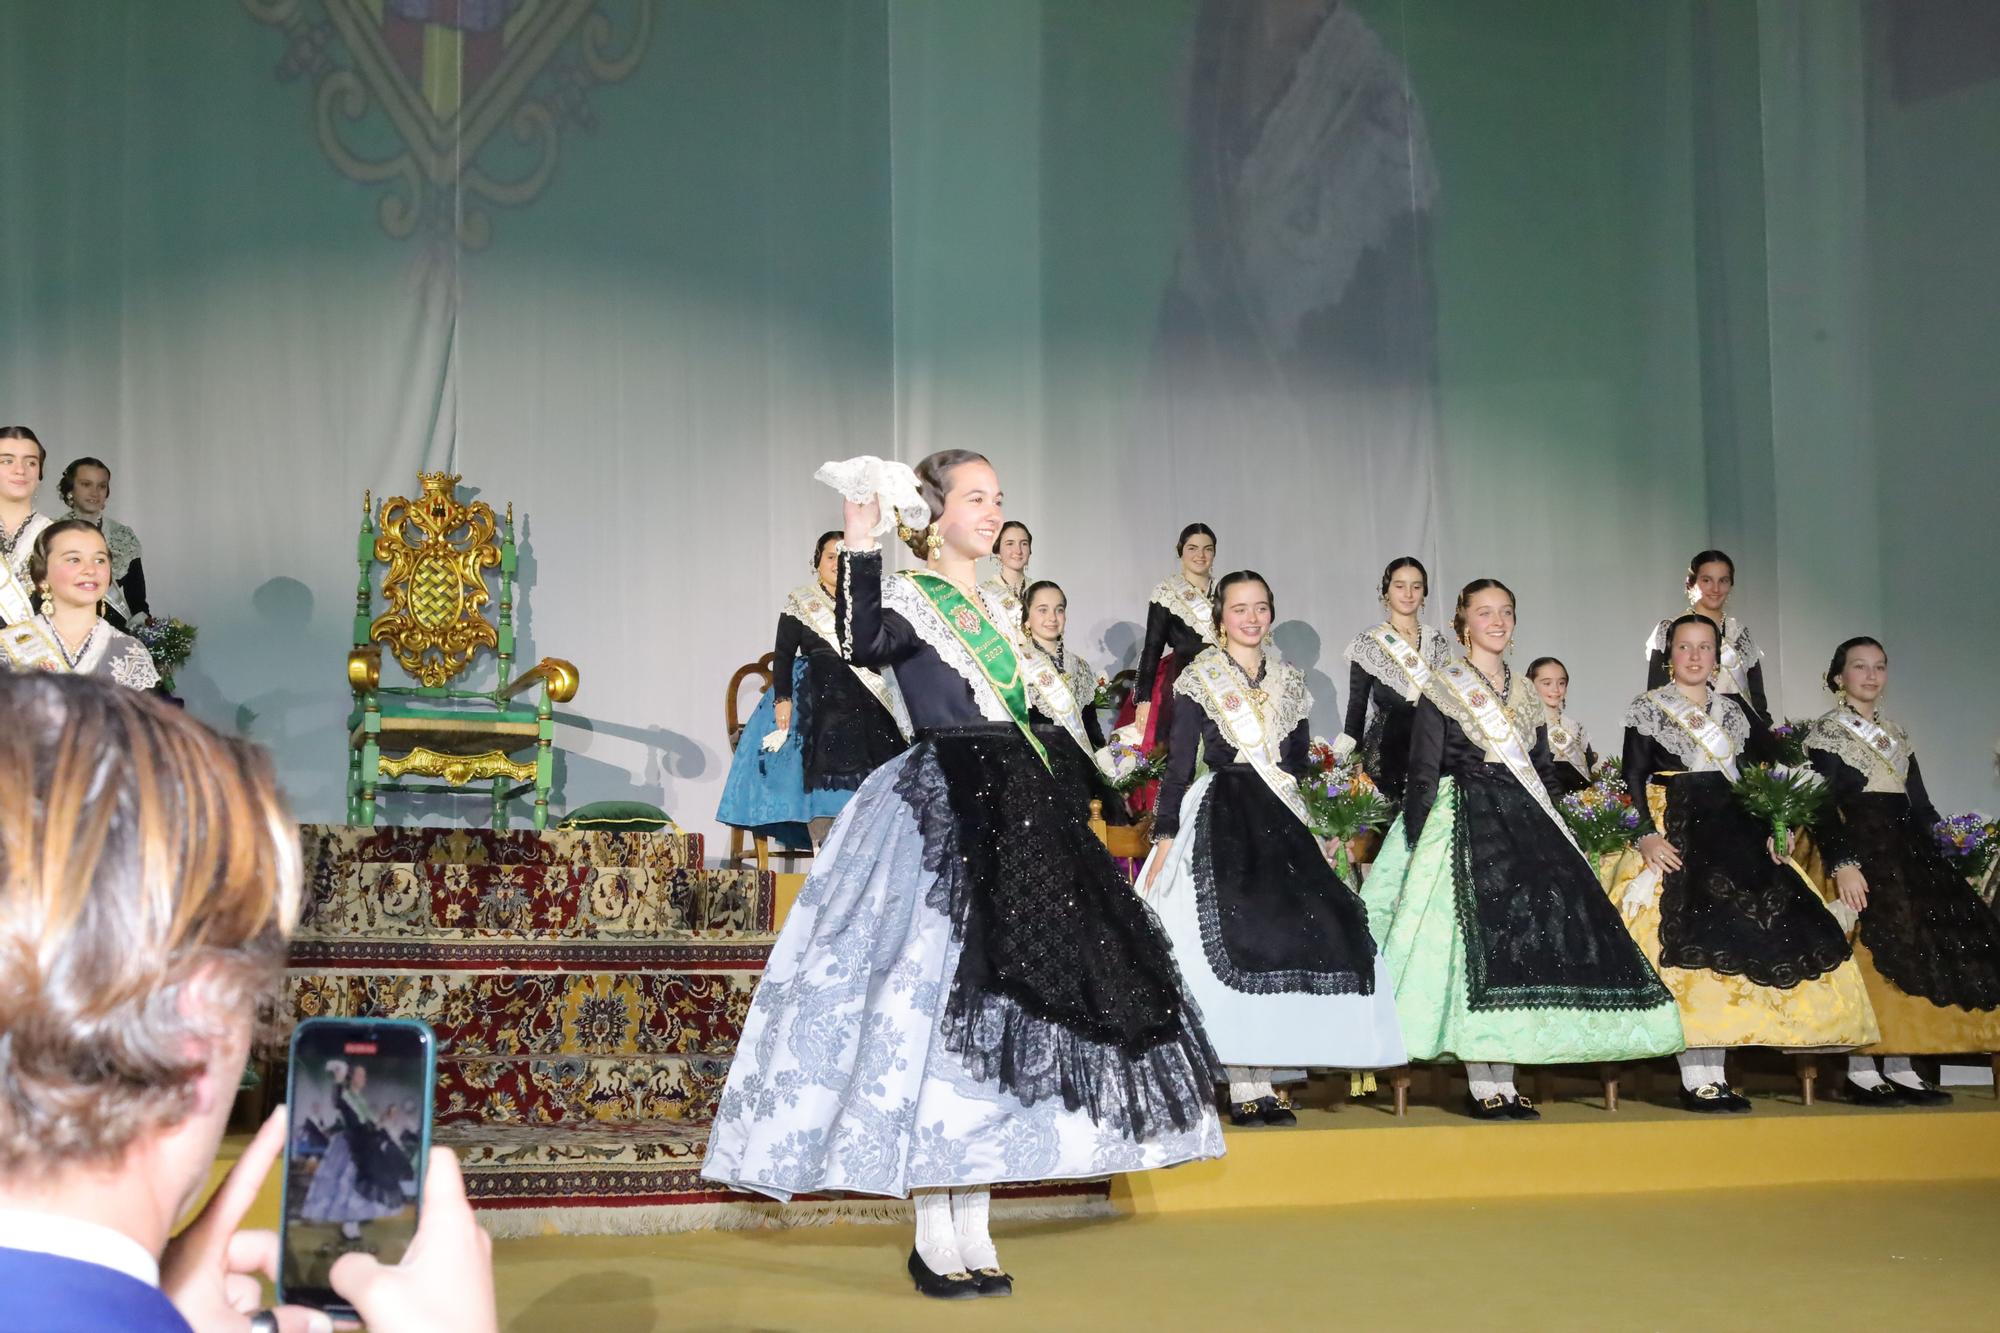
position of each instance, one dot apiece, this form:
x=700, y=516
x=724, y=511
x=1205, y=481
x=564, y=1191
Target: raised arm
x=875, y=638
x=1420, y=788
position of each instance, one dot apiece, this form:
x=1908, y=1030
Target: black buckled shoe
x=1487, y=1108
x=1882, y=1094
x=1708, y=1099
x=1924, y=1094
x=1521, y=1108
x=942, y=1286
x=1738, y=1103
x=993, y=1282
x=1276, y=1110
x=1246, y=1113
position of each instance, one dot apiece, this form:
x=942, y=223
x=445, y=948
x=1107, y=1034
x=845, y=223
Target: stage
x=1431, y=1221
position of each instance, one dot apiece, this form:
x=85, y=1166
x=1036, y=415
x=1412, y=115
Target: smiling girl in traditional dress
x=1274, y=946
x=967, y=992
x=1503, y=947
x=1929, y=949
x=1569, y=744
x=1739, y=663
x=1751, y=953
x=1392, y=661
x=1180, y=622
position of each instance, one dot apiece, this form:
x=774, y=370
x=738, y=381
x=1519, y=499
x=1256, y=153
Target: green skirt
x=1424, y=903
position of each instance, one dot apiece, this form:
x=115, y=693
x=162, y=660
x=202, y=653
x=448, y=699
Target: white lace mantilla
x=1366, y=651
x=1649, y=717
x=1189, y=604
x=901, y=595
x=1880, y=772
x=1523, y=707
x=1287, y=702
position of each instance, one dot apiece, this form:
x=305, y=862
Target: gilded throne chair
x=437, y=553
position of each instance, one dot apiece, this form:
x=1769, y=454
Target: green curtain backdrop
x=1556, y=291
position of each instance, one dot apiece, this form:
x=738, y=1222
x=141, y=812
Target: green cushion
x=632, y=816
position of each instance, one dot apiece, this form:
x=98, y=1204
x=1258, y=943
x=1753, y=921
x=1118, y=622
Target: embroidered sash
x=811, y=607
x=1879, y=741
x=1188, y=604
x=1416, y=671
x=992, y=651
x=1567, y=745
x=1224, y=698
x=1732, y=671
x=29, y=647
x=15, y=606
x=1701, y=728
x=1497, y=731
x=1051, y=689
x=1010, y=600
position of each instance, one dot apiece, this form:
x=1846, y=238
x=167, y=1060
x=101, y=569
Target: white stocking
x=1484, y=1079
x=1503, y=1075
x=969, y=1209
x=1245, y=1085
x=1700, y=1066
x=1898, y=1069
x=1861, y=1073
x=937, y=1242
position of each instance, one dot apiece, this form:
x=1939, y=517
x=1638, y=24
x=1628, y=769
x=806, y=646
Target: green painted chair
x=436, y=552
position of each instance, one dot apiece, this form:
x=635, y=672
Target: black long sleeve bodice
x=1846, y=785
x=1164, y=630
x=133, y=585
x=1439, y=748
x=1645, y=756
x=791, y=641
x=935, y=694
x=1195, y=733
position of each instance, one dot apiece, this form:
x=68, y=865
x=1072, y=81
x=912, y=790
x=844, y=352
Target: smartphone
x=359, y=1095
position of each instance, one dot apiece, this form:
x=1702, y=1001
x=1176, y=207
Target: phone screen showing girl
x=360, y=1100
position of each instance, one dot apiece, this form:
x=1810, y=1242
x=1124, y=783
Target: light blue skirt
x=766, y=790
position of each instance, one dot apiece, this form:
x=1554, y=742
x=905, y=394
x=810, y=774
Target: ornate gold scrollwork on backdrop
x=437, y=550
x=458, y=769
x=443, y=79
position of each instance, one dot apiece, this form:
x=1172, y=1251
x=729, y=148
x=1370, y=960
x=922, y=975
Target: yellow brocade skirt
x=1830, y=1012
x=1910, y=1024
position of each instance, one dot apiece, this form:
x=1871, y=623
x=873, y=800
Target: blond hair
x=149, y=879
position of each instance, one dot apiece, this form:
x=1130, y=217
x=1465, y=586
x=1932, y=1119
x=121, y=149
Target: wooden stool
x=1399, y=1083
x=1808, y=1069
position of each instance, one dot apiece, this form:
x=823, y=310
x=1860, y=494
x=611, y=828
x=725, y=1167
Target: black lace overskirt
x=1066, y=985
x=1928, y=931
x=1078, y=776
x=1539, y=931
x=847, y=733
x=1730, y=908
x=1274, y=915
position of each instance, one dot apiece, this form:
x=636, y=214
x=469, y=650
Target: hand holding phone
x=444, y=1283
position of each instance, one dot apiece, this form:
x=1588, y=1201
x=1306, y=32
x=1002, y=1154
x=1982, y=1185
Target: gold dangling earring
x=932, y=539
x=48, y=601
x=100, y=608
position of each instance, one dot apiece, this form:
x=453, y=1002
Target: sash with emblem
x=28, y=647
x=992, y=651
x=1702, y=729
x=1881, y=743
x=1225, y=697
x=1188, y=604
x=1498, y=734
x=1416, y=671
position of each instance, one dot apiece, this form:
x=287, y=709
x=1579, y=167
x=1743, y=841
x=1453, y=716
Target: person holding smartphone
x=149, y=879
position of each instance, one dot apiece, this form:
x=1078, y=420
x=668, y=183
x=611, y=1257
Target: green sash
x=988, y=646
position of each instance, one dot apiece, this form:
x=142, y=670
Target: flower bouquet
x=1784, y=797
x=1969, y=842
x=1602, y=816
x=1788, y=743
x=1110, y=694
x=171, y=642
x=1342, y=802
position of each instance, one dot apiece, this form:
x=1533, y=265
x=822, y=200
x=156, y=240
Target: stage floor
x=1902, y=1256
